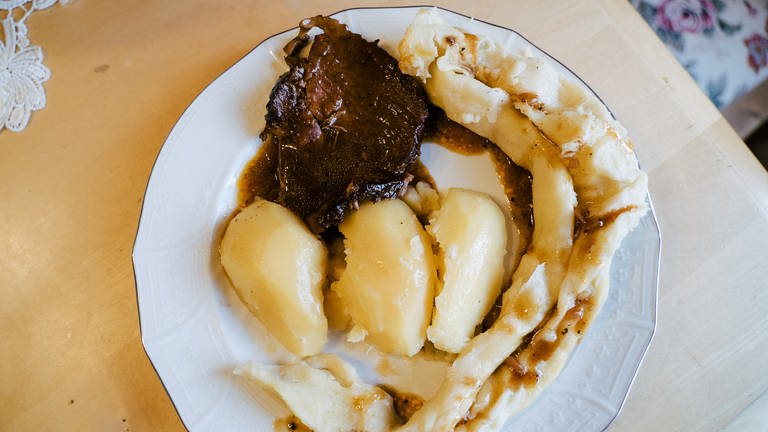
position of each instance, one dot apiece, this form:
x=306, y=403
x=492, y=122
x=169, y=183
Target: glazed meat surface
x=346, y=121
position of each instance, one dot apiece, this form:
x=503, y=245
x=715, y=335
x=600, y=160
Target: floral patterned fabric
x=722, y=43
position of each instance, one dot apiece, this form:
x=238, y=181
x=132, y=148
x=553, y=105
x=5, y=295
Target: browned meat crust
x=346, y=121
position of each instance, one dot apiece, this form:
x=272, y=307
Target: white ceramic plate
x=194, y=329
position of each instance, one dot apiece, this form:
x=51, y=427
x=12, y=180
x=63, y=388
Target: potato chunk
x=472, y=237
x=277, y=267
x=388, y=284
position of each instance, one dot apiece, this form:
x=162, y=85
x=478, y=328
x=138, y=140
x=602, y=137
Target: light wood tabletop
x=72, y=182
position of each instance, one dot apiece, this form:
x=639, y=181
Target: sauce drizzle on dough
x=290, y=424
x=522, y=369
x=404, y=403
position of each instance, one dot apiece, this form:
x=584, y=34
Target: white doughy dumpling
x=326, y=393
x=471, y=235
x=388, y=284
x=277, y=267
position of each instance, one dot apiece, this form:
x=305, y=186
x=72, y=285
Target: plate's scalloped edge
x=655, y=306
x=143, y=200
x=143, y=344
x=293, y=29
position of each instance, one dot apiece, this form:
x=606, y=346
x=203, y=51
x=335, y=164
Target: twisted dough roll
x=585, y=173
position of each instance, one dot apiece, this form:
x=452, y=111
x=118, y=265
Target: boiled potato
x=388, y=284
x=277, y=267
x=471, y=235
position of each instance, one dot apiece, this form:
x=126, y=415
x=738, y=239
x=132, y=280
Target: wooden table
x=71, y=188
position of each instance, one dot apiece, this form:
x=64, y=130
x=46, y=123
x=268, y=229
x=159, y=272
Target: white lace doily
x=22, y=72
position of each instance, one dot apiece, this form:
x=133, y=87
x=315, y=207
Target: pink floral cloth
x=722, y=43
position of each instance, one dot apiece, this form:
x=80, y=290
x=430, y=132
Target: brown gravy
x=515, y=180
x=290, y=424
x=524, y=374
x=259, y=178
x=405, y=404
x=590, y=224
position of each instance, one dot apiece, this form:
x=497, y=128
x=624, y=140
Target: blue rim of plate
x=652, y=211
